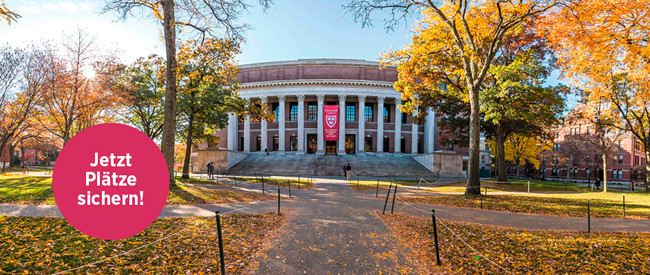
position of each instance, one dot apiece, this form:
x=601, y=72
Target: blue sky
x=289, y=30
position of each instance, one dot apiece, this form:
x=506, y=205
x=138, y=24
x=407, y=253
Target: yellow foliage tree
x=522, y=150
x=7, y=14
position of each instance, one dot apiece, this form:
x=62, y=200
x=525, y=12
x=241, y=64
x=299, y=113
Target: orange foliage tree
x=604, y=47
x=459, y=40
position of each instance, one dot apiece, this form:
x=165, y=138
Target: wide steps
x=329, y=165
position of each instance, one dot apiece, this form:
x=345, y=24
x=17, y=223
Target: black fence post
x=435, y=235
x=386, y=202
x=392, y=206
x=623, y=206
x=377, y=192
x=481, y=202
x=263, y=192
x=588, y=216
x=357, y=183
x=223, y=262
x=235, y=178
x=299, y=182
x=289, y=183
x=278, y=199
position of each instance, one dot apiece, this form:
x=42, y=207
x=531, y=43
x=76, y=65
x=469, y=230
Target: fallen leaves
x=48, y=245
x=519, y=251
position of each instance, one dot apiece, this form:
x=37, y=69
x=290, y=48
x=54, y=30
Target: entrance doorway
x=312, y=143
x=330, y=147
x=350, y=144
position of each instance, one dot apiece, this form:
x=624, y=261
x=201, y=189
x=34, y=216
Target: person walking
x=632, y=185
x=348, y=169
x=207, y=169
x=597, y=184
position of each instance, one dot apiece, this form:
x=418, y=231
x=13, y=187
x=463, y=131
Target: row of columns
x=428, y=128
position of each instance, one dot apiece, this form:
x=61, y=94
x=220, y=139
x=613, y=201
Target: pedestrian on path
x=632, y=185
x=597, y=184
x=207, y=169
x=348, y=169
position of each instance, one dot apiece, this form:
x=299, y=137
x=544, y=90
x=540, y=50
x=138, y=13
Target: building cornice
x=319, y=82
x=308, y=62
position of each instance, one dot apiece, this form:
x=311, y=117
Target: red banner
x=331, y=121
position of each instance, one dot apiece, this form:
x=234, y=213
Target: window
x=259, y=144
x=312, y=111
x=554, y=172
x=276, y=111
x=619, y=174
x=293, y=143
x=368, y=114
x=588, y=158
x=241, y=144
x=620, y=158
x=350, y=112
x=636, y=160
x=403, y=118
x=587, y=173
x=293, y=112
x=386, y=113
x=483, y=159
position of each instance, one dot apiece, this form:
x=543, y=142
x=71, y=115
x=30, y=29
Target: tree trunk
x=169, y=119
x=188, y=148
x=501, y=154
x=604, y=172
x=11, y=156
x=518, y=169
x=473, y=176
x=647, y=170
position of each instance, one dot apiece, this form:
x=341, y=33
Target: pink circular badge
x=110, y=181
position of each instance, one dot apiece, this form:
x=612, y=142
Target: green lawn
x=367, y=185
x=518, y=251
x=19, y=189
x=48, y=245
x=637, y=205
x=302, y=184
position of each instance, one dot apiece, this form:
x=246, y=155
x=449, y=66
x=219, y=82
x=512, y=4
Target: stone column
x=264, y=128
x=414, y=135
x=281, y=132
x=429, y=131
x=398, y=126
x=341, y=144
x=301, y=124
x=247, y=134
x=361, y=136
x=232, y=132
x=320, y=149
x=380, y=124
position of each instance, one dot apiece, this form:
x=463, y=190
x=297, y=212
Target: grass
x=368, y=185
x=19, y=189
x=302, y=184
x=607, y=205
x=48, y=245
x=190, y=195
x=515, y=186
x=196, y=181
x=517, y=250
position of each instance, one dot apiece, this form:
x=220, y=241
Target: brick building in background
x=575, y=157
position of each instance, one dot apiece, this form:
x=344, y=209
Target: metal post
x=485, y=189
x=278, y=199
x=481, y=202
x=263, y=192
x=357, y=183
x=435, y=235
x=223, y=263
x=377, y=192
x=235, y=178
x=623, y=206
x=392, y=206
x=387, y=196
x=588, y=216
x=289, y=183
x=528, y=187
x=419, y=184
x=298, y=181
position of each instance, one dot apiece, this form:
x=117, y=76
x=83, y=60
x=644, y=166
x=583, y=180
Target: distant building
x=574, y=158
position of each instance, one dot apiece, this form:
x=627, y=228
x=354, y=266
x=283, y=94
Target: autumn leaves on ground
x=48, y=245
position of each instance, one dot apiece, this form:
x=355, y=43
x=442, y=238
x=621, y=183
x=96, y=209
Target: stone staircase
x=329, y=165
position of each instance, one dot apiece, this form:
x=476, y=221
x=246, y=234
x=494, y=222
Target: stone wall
x=442, y=163
x=220, y=158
